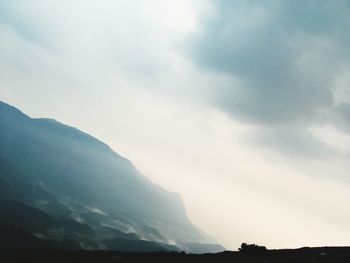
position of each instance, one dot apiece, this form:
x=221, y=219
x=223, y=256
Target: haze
x=242, y=107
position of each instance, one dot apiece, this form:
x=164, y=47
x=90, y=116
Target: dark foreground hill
x=61, y=188
x=303, y=255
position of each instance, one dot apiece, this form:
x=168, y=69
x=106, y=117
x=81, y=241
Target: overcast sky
x=242, y=107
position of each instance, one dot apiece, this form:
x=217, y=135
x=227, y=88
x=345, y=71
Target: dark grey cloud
x=284, y=57
x=295, y=142
x=341, y=116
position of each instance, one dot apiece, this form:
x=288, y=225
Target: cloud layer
x=286, y=59
x=249, y=100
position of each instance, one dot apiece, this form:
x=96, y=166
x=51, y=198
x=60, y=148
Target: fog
x=240, y=107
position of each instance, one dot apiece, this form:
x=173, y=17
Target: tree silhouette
x=252, y=249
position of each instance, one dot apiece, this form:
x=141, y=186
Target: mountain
x=60, y=184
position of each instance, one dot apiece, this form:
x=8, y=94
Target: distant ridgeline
x=61, y=188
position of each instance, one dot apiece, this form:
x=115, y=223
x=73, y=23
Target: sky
x=241, y=107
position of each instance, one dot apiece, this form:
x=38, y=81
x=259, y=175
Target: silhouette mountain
x=68, y=185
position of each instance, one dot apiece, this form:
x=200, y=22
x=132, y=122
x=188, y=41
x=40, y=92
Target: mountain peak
x=8, y=110
x=59, y=169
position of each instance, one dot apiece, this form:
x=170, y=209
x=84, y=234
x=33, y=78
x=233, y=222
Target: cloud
x=277, y=71
x=91, y=33
x=294, y=142
x=283, y=58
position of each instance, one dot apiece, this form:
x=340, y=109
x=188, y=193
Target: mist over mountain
x=64, y=188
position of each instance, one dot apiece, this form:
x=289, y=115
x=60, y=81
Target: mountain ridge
x=59, y=169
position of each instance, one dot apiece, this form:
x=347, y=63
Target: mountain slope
x=65, y=172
